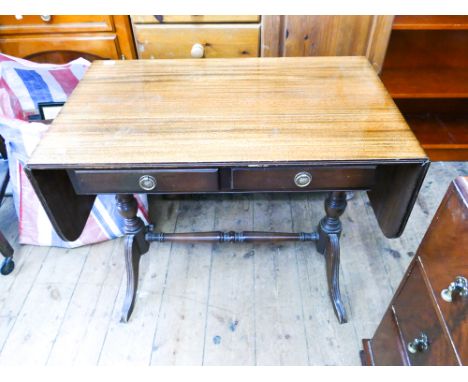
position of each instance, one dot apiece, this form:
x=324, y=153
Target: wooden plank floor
x=227, y=304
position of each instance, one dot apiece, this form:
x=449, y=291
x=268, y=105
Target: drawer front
x=56, y=24
x=416, y=314
x=144, y=181
x=296, y=178
x=387, y=349
x=43, y=48
x=178, y=41
x=149, y=19
x=445, y=257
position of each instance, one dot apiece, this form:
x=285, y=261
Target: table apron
x=223, y=179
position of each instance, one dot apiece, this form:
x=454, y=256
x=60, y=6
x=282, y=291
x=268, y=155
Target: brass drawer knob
x=459, y=286
x=147, y=182
x=302, y=179
x=419, y=344
x=198, y=51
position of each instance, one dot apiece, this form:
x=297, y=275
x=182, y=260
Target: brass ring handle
x=459, y=286
x=147, y=182
x=419, y=344
x=302, y=179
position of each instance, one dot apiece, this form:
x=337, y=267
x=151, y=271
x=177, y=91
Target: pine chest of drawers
x=196, y=36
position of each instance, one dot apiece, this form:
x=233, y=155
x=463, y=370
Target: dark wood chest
x=427, y=320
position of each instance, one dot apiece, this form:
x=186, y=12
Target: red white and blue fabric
x=22, y=85
x=28, y=83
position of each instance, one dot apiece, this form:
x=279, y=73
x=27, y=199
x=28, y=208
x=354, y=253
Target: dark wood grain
x=444, y=252
x=393, y=208
x=167, y=180
x=230, y=237
x=135, y=246
x=67, y=211
x=415, y=314
x=418, y=306
x=323, y=178
x=386, y=347
x=5, y=248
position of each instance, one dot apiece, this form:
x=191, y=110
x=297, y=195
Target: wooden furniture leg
x=328, y=243
x=135, y=246
x=7, y=252
x=5, y=248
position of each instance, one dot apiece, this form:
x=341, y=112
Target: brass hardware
x=147, y=182
x=198, y=51
x=419, y=344
x=459, y=286
x=302, y=179
x=46, y=18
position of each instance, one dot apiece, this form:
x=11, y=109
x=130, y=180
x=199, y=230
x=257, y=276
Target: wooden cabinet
x=426, y=72
x=427, y=321
x=196, y=36
x=59, y=39
x=327, y=36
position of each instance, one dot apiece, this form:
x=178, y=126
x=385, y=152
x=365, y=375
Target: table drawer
x=149, y=19
x=211, y=41
x=56, y=24
x=297, y=178
x=144, y=181
x=415, y=313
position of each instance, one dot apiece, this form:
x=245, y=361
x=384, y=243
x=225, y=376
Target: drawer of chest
x=150, y=19
x=423, y=336
x=44, y=48
x=197, y=41
x=54, y=24
x=142, y=181
x=302, y=178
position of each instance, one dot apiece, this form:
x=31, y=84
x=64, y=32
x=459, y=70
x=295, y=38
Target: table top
x=227, y=111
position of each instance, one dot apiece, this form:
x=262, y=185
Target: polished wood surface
x=386, y=347
x=227, y=111
x=176, y=41
x=64, y=38
x=418, y=306
x=149, y=19
x=444, y=254
x=28, y=24
x=415, y=314
x=327, y=36
x=62, y=47
x=430, y=22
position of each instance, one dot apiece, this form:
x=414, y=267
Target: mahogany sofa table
x=303, y=124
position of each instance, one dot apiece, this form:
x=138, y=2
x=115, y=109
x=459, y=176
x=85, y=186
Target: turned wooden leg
x=328, y=243
x=7, y=252
x=135, y=246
